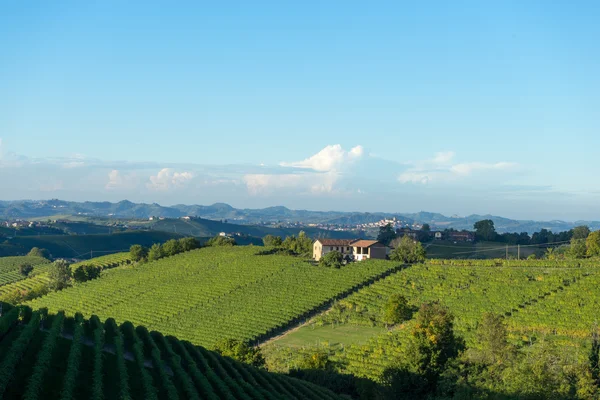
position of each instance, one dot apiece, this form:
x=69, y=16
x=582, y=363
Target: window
x=330, y=248
x=337, y=248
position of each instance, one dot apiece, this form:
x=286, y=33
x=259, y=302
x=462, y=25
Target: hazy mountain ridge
x=219, y=211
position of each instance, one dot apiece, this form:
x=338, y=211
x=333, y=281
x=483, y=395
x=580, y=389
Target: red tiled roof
x=365, y=243
x=336, y=242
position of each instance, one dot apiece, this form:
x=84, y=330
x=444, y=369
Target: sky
x=456, y=107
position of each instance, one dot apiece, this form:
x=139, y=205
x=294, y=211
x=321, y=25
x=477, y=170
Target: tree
x=396, y=310
x=138, y=252
x=155, y=252
x=493, y=336
x=577, y=249
x=431, y=345
x=426, y=228
x=60, y=275
x=408, y=251
x=171, y=247
x=25, y=269
x=484, y=230
x=189, y=243
x=221, y=241
x=37, y=252
x=333, y=259
x=79, y=274
x=386, y=234
x=301, y=245
x=581, y=232
x=272, y=241
x=304, y=244
x=240, y=351
x=592, y=244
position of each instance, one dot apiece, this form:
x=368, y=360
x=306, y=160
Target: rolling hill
x=46, y=356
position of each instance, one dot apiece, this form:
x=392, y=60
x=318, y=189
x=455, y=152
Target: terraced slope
x=535, y=301
x=39, y=275
x=9, y=268
x=53, y=357
x=214, y=293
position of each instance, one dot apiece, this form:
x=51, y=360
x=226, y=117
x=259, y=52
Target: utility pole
x=518, y=252
x=507, y=252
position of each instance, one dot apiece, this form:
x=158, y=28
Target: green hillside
x=214, y=293
x=53, y=357
x=538, y=299
x=77, y=246
x=207, y=228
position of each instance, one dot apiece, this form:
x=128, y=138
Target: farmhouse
x=353, y=249
x=462, y=236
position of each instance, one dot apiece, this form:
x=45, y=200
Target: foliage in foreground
x=68, y=360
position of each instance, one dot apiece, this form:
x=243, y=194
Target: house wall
x=319, y=250
x=377, y=252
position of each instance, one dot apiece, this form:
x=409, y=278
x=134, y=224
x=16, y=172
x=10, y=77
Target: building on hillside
x=411, y=233
x=364, y=249
x=353, y=249
x=438, y=235
x=461, y=236
x=324, y=246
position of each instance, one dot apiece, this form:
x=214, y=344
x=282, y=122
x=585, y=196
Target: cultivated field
x=53, y=357
x=214, y=293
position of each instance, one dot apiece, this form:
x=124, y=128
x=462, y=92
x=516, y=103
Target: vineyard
x=536, y=300
x=214, y=293
x=39, y=275
x=46, y=356
x=9, y=268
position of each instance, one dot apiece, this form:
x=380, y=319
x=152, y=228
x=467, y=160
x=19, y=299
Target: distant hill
x=205, y=228
x=82, y=246
x=220, y=211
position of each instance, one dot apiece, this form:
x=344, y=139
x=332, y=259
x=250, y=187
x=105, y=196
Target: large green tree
x=581, y=232
x=333, y=259
x=408, y=250
x=432, y=344
x=272, y=241
x=240, y=351
x=60, y=275
x=155, y=252
x=577, y=249
x=593, y=244
x=386, y=234
x=485, y=230
x=138, y=252
x=171, y=247
x=396, y=310
x=493, y=338
x=37, y=252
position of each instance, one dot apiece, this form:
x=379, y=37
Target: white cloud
x=327, y=166
x=441, y=169
x=331, y=158
x=265, y=183
x=443, y=157
x=469, y=168
x=167, y=178
x=118, y=180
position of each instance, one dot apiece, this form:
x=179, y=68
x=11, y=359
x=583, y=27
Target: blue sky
x=458, y=107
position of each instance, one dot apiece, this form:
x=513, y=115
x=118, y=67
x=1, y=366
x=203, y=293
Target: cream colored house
x=357, y=250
